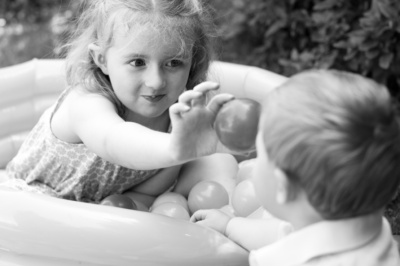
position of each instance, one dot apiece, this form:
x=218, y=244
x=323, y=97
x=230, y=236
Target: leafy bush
x=285, y=37
x=26, y=31
x=30, y=11
x=361, y=36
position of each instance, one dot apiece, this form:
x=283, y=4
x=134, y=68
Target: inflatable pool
x=37, y=230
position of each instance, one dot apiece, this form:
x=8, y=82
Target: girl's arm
x=94, y=120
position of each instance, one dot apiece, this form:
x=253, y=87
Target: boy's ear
x=98, y=57
x=285, y=191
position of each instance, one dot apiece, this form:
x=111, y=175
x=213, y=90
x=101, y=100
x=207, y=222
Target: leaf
x=371, y=54
x=354, y=65
x=276, y=26
x=341, y=44
x=327, y=61
x=368, y=45
x=356, y=37
x=327, y=4
x=238, y=18
x=386, y=9
x=294, y=54
x=238, y=3
x=385, y=60
x=306, y=56
x=369, y=21
x=323, y=17
x=350, y=55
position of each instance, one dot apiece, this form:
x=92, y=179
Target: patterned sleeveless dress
x=48, y=165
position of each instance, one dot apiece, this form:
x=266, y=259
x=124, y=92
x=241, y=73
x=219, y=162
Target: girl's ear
x=286, y=191
x=98, y=57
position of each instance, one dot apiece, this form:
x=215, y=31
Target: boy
x=328, y=162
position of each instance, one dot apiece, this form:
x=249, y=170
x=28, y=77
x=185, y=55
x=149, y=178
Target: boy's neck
x=303, y=216
x=299, y=212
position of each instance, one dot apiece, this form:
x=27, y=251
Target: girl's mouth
x=154, y=98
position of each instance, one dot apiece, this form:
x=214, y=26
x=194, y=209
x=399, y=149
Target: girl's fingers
x=200, y=101
x=218, y=101
x=178, y=108
x=188, y=96
x=197, y=96
x=206, y=86
x=192, y=98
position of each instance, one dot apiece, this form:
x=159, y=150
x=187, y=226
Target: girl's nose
x=155, y=78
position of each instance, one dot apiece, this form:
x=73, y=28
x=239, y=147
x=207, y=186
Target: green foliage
x=361, y=36
x=29, y=11
x=28, y=29
x=20, y=43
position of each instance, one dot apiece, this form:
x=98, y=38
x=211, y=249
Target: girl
x=135, y=110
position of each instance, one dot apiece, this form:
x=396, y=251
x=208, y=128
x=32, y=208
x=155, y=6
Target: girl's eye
x=174, y=63
x=137, y=63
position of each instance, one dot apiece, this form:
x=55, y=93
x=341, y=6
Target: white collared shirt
x=361, y=241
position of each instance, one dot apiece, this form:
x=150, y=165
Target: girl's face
x=147, y=71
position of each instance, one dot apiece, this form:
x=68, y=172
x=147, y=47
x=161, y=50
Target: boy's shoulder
x=363, y=241
x=397, y=239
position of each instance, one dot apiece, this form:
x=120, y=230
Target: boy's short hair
x=336, y=135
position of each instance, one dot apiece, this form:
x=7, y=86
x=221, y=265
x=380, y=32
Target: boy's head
x=336, y=137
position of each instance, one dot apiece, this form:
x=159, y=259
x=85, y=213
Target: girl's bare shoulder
x=76, y=110
x=79, y=94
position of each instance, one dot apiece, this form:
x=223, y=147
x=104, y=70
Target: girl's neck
x=159, y=123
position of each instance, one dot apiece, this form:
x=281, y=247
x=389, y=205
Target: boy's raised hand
x=212, y=218
x=192, y=121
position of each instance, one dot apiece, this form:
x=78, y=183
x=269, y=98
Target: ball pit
x=245, y=170
x=120, y=201
x=244, y=200
x=38, y=230
x=207, y=195
x=171, y=197
x=172, y=209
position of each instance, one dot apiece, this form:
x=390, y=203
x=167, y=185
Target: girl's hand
x=215, y=219
x=192, y=121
